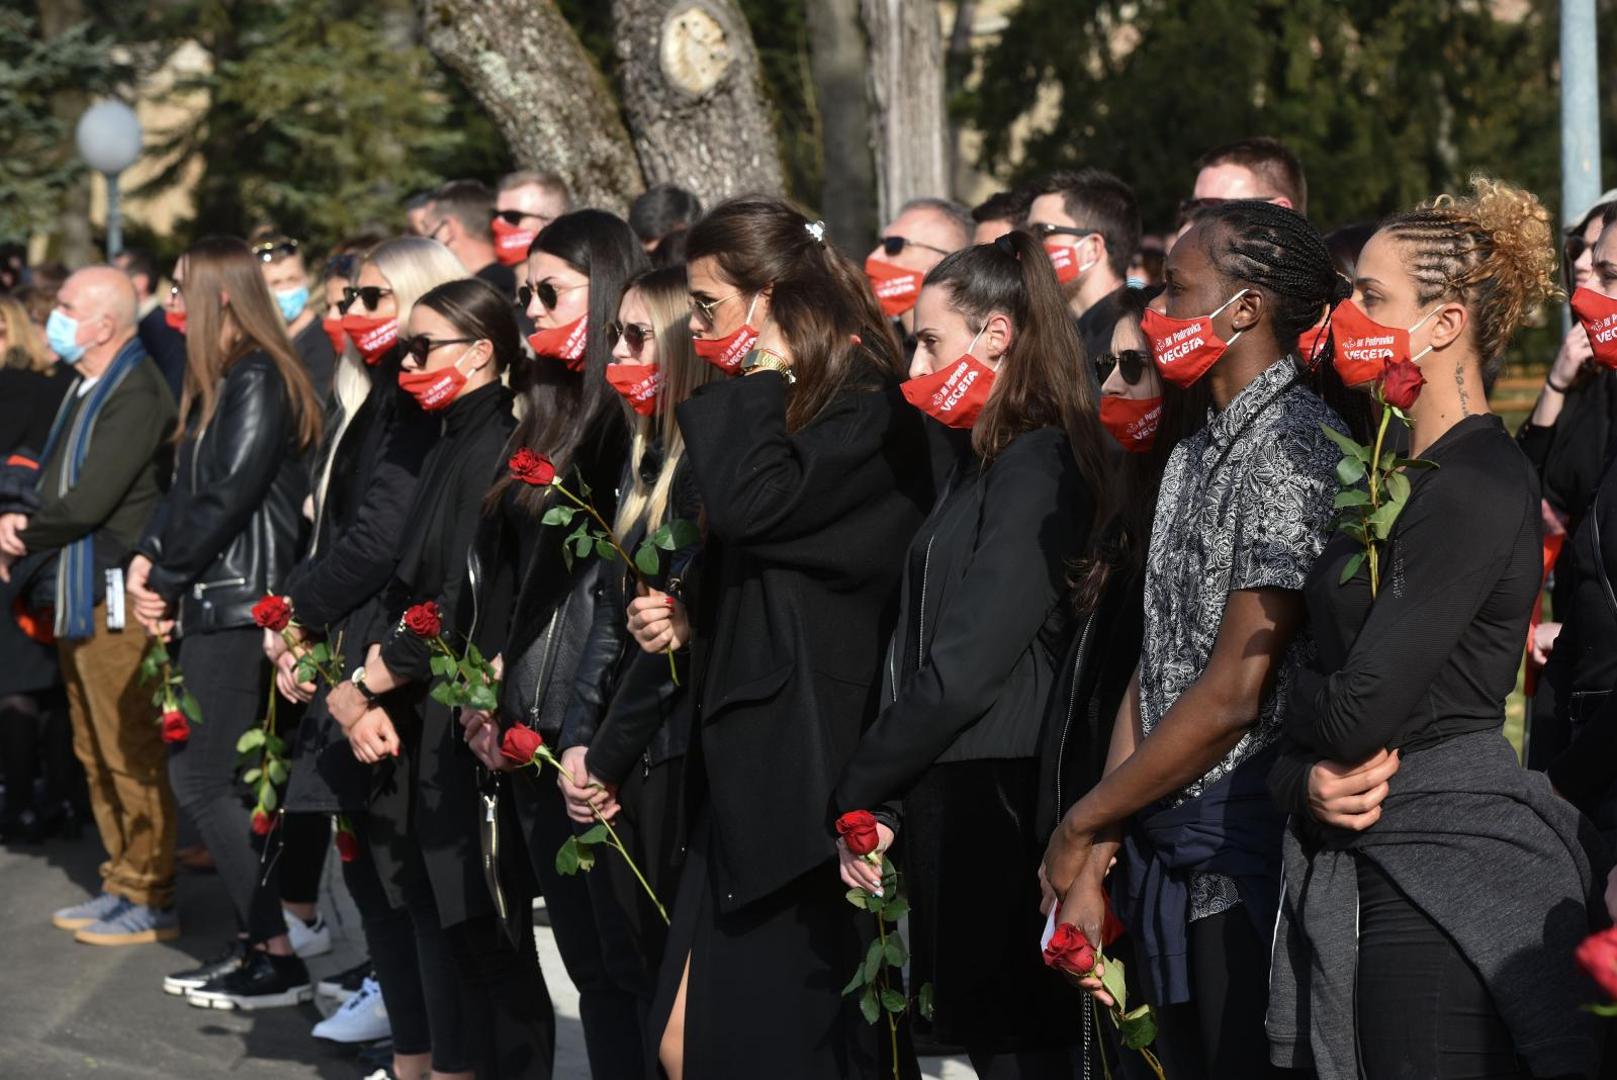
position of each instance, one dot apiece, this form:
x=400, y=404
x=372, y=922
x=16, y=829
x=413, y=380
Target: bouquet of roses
x=591, y=533
x=274, y=613
x=469, y=679
x=1367, y=513
x=177, y=708
x=526, y=746
x=1068, y=950
x=871, y=981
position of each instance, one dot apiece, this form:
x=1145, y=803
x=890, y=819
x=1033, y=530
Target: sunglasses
x=705, y=308
x=516, y=217
x=1044, y=230
x=270, y=250
x=547, y=293
x=635, y=334
x=892, y=245
x=1130, y=363
x=421, y=346
x=369, y=295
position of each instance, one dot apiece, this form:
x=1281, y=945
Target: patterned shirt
x=1245, y=504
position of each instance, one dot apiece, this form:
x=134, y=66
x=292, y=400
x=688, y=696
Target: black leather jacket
x=230, y=527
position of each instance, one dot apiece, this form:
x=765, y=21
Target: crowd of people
x=692, y=576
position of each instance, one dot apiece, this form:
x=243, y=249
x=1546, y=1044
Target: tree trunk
x=526, y=67
x=692, y=94
x=838, y=58
x=73, y=244
x=906, y=88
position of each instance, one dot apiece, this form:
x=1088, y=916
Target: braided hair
x=1492, y=250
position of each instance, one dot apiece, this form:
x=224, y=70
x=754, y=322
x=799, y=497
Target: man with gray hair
x=99, y=480
x=924, y=231
x=525, y=203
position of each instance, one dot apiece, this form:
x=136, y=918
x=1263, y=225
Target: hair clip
x=1007, y=245
x=816, y=229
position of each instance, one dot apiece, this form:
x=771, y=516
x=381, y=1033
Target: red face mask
x=372, y=337
x=1363, y=348
x=953, y=395
x=511, y=242
x=638, y=383
x=1309, y=343
x=896, y=288
x=434, y=390
x=727, y=352
x=565, y=343
x=334, y=331
x=1185, y=349
x=174, y=319
x=1064, y=257
x=1132, y=421
x=1597, y=314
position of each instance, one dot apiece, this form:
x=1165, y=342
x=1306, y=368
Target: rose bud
x=262, y=823
x=1598, y=955
x=347, y=845
x=520, y=744
x=531, y=468
x=858, y=830
x=424, y=620
x=176, y=729
x=1070, y=951
x=1401, y=384
x=272, y=613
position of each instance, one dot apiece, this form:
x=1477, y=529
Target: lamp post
x=109, y=140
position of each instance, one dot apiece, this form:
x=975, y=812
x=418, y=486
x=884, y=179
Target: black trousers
x=1422, y=1011
x=304, y=840
x=390, y=936
x=227, y=673
x=511, y=1021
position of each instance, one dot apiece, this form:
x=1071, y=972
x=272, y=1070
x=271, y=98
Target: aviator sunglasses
x=635, y=334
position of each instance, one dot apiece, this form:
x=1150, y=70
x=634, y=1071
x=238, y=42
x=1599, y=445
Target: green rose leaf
x=1349, y=447
x=1112, y=979
x=856, y=982
x=894, y=1002
x=596, y=834
x=1381, y=521
x=896, y=952
x=857, y=898
x=445, y=694
x=646, y=559
x=567, y=860
x=604, y=548
x=474, y=656
x=251, y=775
x=277, y=771
x=442, y=666
x=1397, y=486
x=1351, y=497
x=873, y=960
x=1350, y=568
x=250, y=740
x=191, y=707
x=268, y=799
x=869, y=1006
x=1138, y=1028
x=895, y=909
x=923, y=1003
x=482, y=697
x=1349, y=471
x=304, y=672
x=583, y=545
x=558, y=515
x=567, y=558
x=682, y=534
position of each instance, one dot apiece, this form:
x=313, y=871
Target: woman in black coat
x=982, y=621
x=422, y=824
x=813, y=476
x=226, y=533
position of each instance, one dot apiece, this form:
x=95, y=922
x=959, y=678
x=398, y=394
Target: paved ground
x=70, y=1011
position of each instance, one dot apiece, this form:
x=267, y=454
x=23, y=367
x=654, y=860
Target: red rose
x=1070, y=951
x=858, y=830
x=531, y=468
x=424, y=620
x=1401, y=383
x=1598, y=955
x=347, y=845
x=273, y=613
x=262, y=823
x=521, y=744
x=176, y=728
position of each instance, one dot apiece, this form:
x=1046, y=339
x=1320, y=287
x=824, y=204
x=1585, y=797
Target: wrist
x=1550, y=383
x=357, y=681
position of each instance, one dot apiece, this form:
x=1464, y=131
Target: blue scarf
x=75, y=569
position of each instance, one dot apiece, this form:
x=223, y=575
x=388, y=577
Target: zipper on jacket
x=920, y=629
x=1072, y=705
x=473, y=566
x=203, y=586
x=491, y=858
x=557, y=617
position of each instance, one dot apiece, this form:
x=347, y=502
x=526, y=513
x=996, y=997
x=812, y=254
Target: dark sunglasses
x=1043, y=230
x=515, y=217
x=369, y=295
x=421, y=346
x=1130, y=362
x=547, y=293
x=270, y=250
x=892, y=245
x=634, y=333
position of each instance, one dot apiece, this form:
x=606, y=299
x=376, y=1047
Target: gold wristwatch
x=767, y=360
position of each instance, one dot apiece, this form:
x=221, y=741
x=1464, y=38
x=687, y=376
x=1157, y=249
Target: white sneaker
x=307, y=941
x=362, y=1018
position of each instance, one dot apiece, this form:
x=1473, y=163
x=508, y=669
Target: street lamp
x=109, y=141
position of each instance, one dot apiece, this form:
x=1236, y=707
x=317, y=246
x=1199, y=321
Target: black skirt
x=970, y=855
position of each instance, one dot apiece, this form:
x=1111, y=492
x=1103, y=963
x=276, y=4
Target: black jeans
x=598, y=949
x=1421, y=1010
x=227, y=673
x=304, y=840
x=511, y=1020
x=390, y=936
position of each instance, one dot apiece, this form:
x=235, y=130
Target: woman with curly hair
x=1434, y=889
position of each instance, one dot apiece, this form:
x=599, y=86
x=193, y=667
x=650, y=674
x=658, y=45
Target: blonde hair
x=413, y=267
x=667, y=299
x=25, y=347
x=224, y=291
x=1492, y=250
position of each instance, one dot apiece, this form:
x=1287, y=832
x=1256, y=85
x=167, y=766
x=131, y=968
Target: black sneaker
x=198, y=977
x=262, y=982
x=344, y=984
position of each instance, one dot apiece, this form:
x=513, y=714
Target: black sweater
x=1435, y=655
x=981, y=624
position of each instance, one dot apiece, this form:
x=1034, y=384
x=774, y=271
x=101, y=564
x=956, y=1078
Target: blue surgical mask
x=61, y=332
x=292, y=302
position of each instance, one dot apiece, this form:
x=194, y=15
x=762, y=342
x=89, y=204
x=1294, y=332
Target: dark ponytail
x=1041, y=380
